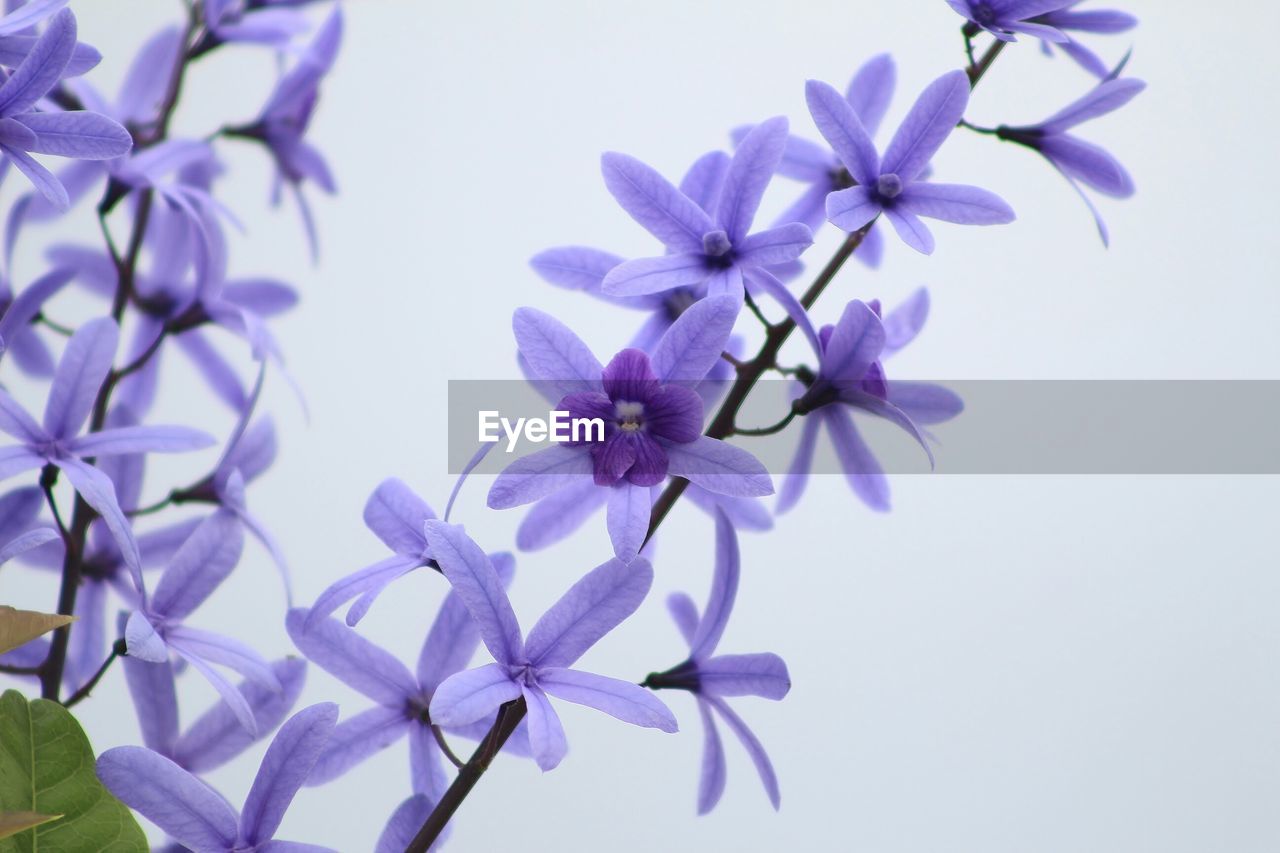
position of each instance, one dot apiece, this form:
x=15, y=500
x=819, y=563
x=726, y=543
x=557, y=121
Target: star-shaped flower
x=197, y=816
x=540, y=665
x=708, y=254
x=712, y=678
x=892, y=184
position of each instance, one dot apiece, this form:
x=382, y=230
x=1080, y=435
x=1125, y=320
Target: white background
x=1000, y=664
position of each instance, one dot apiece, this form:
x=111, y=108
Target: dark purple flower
x=711, y=254
x=402, y=697
x=197, y=816
x=1068, y=19
x=1005, y=18
x=893, y=185
x=869, y=94
x=1076, y=159
x=540, y=665
x=652, y=420
x=712, y=678
x=851, y=377
x=79, y=134
x=56, y=440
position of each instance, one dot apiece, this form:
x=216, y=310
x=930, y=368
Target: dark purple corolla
x=858, y=383
x=712, y=678
x=197, y=816
x=893, y=184
x=652, y=420
x=1078, y=160
x=707, y=254
x=540, y=664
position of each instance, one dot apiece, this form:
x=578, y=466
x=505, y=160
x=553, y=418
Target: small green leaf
x=23, y=626
x=47, y=766
x=11, y=823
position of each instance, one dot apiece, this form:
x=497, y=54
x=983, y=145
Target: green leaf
x=47, y=766
x=11, y=823
x=23, y=626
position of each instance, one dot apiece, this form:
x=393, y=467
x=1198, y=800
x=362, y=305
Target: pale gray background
x=1001, y=664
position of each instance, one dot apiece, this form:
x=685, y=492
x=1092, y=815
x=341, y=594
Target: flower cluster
x=669, y=400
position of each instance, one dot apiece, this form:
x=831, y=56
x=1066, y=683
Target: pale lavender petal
x=1088, y=163
x=16, y=422
x=592, y=607
x=24, y=542
x=726, y=281
x=478, y=585
x=215, y=369
x=702, y=183
x=890, y=412
x=357, y=662
x=217, y=737
x=51, y=189
x=574, y=267
x=695, y=342
x=1102, y=99
x=87, y=644
x=775, y=246
x=769, y=283
x=620, y=699
x=467, y=696
x=871, y=90
x=546, y=734
x=15, y=460
x=42, y=68
x=143, y=89
x=19, y=510
x=79, y=134
x=426, y=762
x=142, y=641
x=170, y=797
x=712, y=778
x=855, y=344
x=453, y=638
x=292, y=754
x=903, y=323
x=861, y=469
x=540, y=474
x=762, y=675
x=810, y=208
x=1040, y=31
x=373, y=578
x=84, y=365
x=843, y=130
x=802, y=160
x=764, y=767
x=955, y=203
x=912, y=231
x=356, y=738
x=925, y=403
x=931, y=119
x=28, y=15
x=650, y=199
x=797, y=477
x=98, y=492
x=557, y=516
x=745, y=513
x=396, y=514
x=724, y=589
x=719, y=467
x=404, y=824
x=655, y=275
x=554, y=353
x=853, y=208
x=224, y=651
x=685, y=614
x=140, y=439
x=753, y=164
x=156, y=701
x=202, y=563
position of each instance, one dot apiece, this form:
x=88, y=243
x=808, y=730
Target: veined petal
x=619, y=699
x=84, y=365
x=42, y=68
x=1088, y=163
x=702, y=183
x=155, y=700
x=140, y=439
x=539, y=474
x=963, y=205
x=477, y=584
x=404, y=824
x=357, y=662
x=853, y=208
x=931, y=119
x=684, y=613
x=99, y=493
x=656, y=275
x=290, y=757
x=627, y=518
x=843, y=130
x=654, y=203
x=724, y=589
x=180, y=804
x=558, y=515
x=761, y=674
x=395, y=514
x=764, y=767
x=467, y=696
x=903, y=323
x=574, y=267
x=871, y=90
x=860, y=466
x=79, y=134
x=712, y=778
x=924, y=402
x=356, y=738
x=202, y=563
x=912, y=231
x=753, y=164
x=546, y=733
x=554, y=353
x=592, y=607
x=369, y=579
x=775, y=246
x=719, y=467
x=856, y=343
x=694, y=343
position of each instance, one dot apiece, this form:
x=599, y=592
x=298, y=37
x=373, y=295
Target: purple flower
x=1004, y=18
x=869, y=94
x=79, y=134
x=1076, y=159
x=216, y=737
x=851, y=377
x=251, y=22
x=396, y=516
x=17, y=312
x=652, y=418
x=56, y=441
x=196, y=815
x=157, y=629
x=712, y=678
x=540, y=665
x=1068, y=19
x=18, y=37
x=283, y=122
x=892, y=185
x=402, y=697
x=709, y=254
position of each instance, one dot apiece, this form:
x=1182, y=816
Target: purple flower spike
x=1005, y=18
x=197, y=816
x=851, y=377
x=57, y=441
x=1077, y=160
x=402, y=698
x=1069, y=19
x=79, y=134
x=893, y=185
x=652, y=420
x=712, y=678
x=539, y=665
x=709, y=253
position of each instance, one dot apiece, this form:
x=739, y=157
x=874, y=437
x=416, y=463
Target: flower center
x=716, y=243
x=630, y=415
x=889, y=186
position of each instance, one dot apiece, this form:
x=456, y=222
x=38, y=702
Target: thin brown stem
x=82, y=692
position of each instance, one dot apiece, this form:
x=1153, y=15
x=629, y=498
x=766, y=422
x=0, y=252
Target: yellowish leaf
x=23, y=626
x=11, y=823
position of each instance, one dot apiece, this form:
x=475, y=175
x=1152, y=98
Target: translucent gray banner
x=1007, y=427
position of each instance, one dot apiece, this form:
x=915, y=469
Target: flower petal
x=931, y=119
x=719, y=467
x=472, y=694
x=351, y=658
x=84, y=365
x=654, y=203
x=180, y=804
x=554, y=353
x=843, y=130
x=761, y=674
x=753, y=164
x=592, y=607
x=292, y=754
x=477, y=584
x=617, y=698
